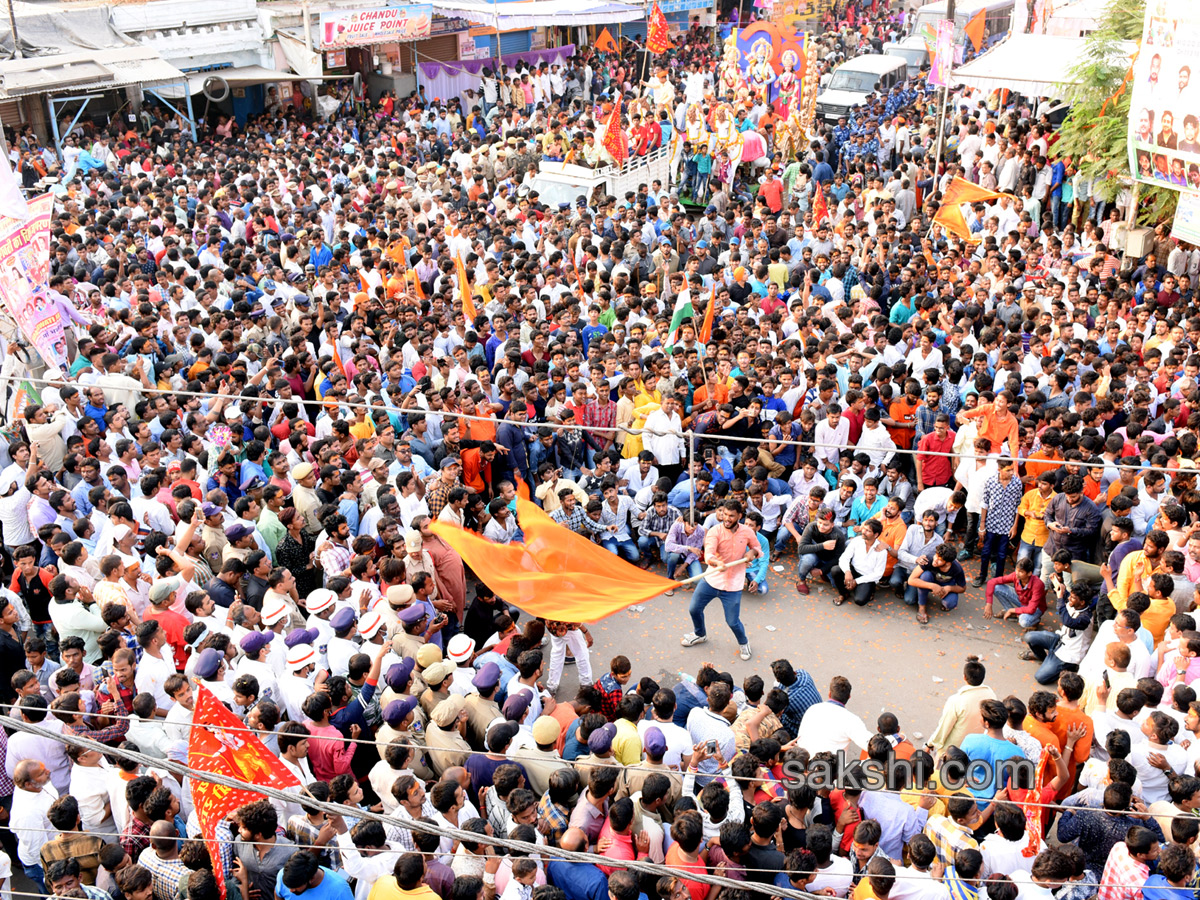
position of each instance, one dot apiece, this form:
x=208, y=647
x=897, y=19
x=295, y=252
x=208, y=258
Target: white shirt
x=1001, y=855
x=667, y=449
x=830, y=726
x=878, y=444
x=678, y=740
x=89, y=785
x=912, y=884
x=1154, y=780
x=838, y=875
x=152, y=674
x=870, y=564
x=28, y=821
x=1026, y=889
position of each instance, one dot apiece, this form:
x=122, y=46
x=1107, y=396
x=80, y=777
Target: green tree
x=1096, y=141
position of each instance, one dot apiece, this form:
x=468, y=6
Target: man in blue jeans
x=1021, y=594
x=820, y=548
x=1064, y=649
x=943, y=578
x=726, y=548
x=915, y=552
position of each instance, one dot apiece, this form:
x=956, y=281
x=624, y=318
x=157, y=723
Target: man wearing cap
x=254, y=662
x=162, y=595
x=460, y=650
x=341, y=646
x=543, y=760
x=482, y=708
x=444, y=738
x=304, y=494
x=437, y=678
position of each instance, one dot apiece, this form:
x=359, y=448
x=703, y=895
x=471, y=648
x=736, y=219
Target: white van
x=854, y=80
x=912, y=50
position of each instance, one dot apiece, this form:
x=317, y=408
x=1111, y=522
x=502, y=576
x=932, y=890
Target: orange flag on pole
x=974, y=29
x=605, y=43
x=556, y=573
x=464, y=288
x=820, y=209
x=224, y=746
x=614, y=140
x=706, y=327
x=658, y=32
x=960, y=191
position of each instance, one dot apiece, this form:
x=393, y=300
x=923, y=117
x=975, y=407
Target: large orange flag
x=605, y=43
x=225, y=747
x=658, y=32
x=974, y=29
x=464, y=288
x=961, y=191
x=556, y=573
x=706, y=327
x=819, y=206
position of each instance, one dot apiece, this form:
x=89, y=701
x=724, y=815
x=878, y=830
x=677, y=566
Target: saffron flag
x=556, y=573
x=820, y=208
x=974, y=29
x=605, y=43
x=224, y=746
x=464, y=288
x=614, y=140
x=960, y=191
x=658, y=37
x=706, y=328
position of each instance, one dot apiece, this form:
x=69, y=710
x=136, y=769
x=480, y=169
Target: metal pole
x=691, y=439
x=941, y=135
x=12, y=24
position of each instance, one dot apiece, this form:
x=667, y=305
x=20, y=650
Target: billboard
x=1164, y=111
x=364, y=27
x=24, y=277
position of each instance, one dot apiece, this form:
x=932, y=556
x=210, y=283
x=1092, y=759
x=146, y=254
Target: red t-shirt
x=172, y=624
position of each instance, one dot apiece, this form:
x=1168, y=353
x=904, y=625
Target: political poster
x=1164, y=112
x=1186, y=225
x=365, y=27
x=943, y=54
x=24, y=281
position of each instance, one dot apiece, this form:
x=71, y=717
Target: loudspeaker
x=642, y=65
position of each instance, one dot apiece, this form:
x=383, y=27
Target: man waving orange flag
x=556, y=573
x=960, y=191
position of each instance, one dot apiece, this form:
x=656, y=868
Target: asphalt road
x=893, y=662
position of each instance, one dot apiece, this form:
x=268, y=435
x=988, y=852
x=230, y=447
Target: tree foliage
x=1096, y=140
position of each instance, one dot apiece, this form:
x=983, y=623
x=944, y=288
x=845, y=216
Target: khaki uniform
x=480, y=714
x=447, y=749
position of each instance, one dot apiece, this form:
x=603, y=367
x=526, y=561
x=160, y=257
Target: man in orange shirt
x=1048, y=458
x=1070, y=690
x=893, y=532
x=998, y=424
x=902, y=415
x=1039, y=720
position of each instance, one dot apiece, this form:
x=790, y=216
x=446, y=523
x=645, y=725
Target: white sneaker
x=744, y=651
x=691, y=639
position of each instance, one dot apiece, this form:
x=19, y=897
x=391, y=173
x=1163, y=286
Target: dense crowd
x=274, y=391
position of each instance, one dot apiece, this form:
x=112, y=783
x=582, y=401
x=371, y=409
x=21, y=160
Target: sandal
x=1027, y=655
x=838, y=601
x=923, y=617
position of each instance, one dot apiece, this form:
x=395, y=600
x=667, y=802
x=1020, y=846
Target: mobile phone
x=712, y=747
x=1104, y=675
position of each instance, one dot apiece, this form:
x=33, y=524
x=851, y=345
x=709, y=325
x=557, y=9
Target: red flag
x=658, y=32
x=706, y=328
x=615, y=141
x=223, y=746
x=605, y=43
x=820, y=210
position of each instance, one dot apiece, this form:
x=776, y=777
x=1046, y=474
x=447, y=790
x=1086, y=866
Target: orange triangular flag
x=605, y=43
x=960, y=191
x=556, y=574
x=706, y=328
x=464, y=288
x=974, y=29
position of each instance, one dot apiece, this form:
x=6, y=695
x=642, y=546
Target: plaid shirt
x=575, y=520
x=336, y=560
x=948, y=838
x=113, y=734
x=802, y=693
x=1001, y=502
x=166, y=874
x=597, y=414
x=557, y=817
x=1123, y=875
x=925, y=420
x=437, y=497
x=655, y=522
x=136, y=836
x=951, y=401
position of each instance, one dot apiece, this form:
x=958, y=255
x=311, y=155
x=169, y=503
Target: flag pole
x=713, y=569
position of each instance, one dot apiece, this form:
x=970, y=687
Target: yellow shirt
x=1033, y=508
x=386, y=888
x=363, y=430
x=627, y=744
